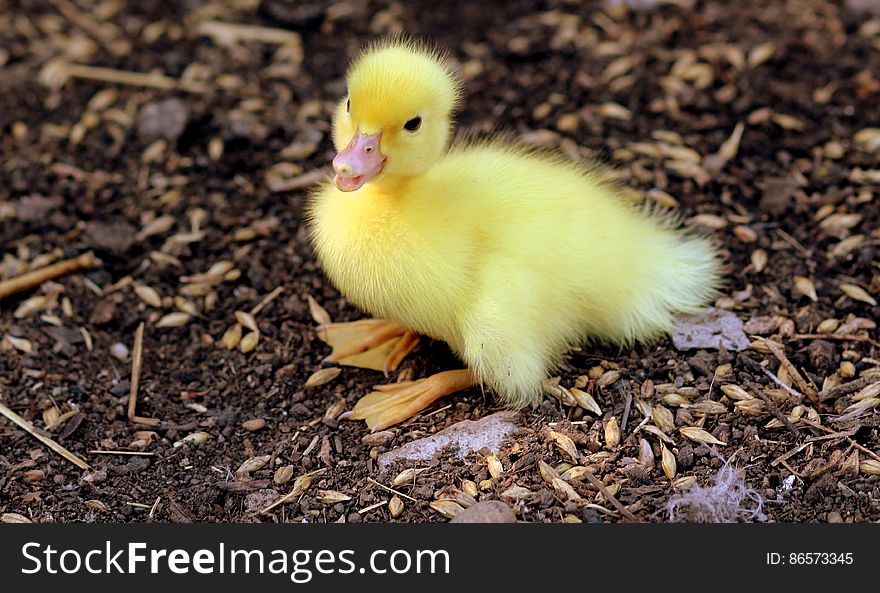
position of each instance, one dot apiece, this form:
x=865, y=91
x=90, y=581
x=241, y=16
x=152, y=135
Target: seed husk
x=650, y=428
x=709, y=407
x=847, y=369
x=322, y=377
x=565, y=444
x=185, y=306
x=614, y=111
x=575, y=473
x=698, y=435
x=608, y=378
x=232, y=337
x=564, y=490
x=612, y=433
x=283, y=474
x=14, y=518
x=395, y=506
x=646, y=453
x=517, y=492
x=447, y=508
x=253, y=464
x=663, y=418
x=20, y=344
x=857, y=293
x=805, y=287
x=667, y=462
x=331, y=496
x=470, y=487
x=249, y=342
x=547, y=471
x=319, y=313
x=751, y=407
x=827, y=326
x=870, y=467
x=735, y=392
x=157, y=226
x=684, y=482
x=494, y=466
x=675, y=400
x=861, y=406
x=585, y=401
x=31, y=307
x=868, y=139
x=872, y=390
x=759, y=260
x=176, y=319
x=247, y=320
x=552, y=388
x=194, y=438
x=407, y=476
x=148, y=295
x=850, y=466
x=333, y=411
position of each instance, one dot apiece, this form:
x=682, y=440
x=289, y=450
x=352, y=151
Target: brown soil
x=83, y=168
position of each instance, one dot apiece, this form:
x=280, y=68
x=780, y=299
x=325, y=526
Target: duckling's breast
x=377, y=254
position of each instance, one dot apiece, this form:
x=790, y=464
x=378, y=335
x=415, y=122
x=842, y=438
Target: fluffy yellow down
x=510, y=256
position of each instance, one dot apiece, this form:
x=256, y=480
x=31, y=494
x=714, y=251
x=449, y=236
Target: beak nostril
x=369, y=149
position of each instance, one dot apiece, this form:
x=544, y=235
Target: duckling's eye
x=413, y=125
x=348, y=106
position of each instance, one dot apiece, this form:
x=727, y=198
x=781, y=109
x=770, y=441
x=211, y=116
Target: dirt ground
x=758, y=119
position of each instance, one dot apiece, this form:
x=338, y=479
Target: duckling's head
x=396, y=119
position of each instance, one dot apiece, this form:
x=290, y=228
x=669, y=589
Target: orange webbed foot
x=396, y=402
x=375, y=344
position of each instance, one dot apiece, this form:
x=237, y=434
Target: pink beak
x=358, y=162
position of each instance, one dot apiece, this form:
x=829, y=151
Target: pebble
x=253, y=425
x=711, y=328
x=162, y=119
x=119, y=351
x=465, y=436
x=259, y=500
x=487, y=511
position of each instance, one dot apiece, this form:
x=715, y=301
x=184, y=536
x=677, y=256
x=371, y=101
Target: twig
x=372, y=506
x=609, y=497
x=845, y=337
x=155, y=506
x=300, y=181
x=245, y=486
x=755, y=366
x=299, y=489
x=232, y=33
x=845, y=388
x=101, y=32
x=793, y=242
x=67, y=70
x=805, y=387
x=392, y=490
x=266, y=300
x=136, y=363
x=774, y=409
x=40, y=275
x=782, y=458
x=626, y=407
x=851, y=442
x=31, y=429
x=136, y=453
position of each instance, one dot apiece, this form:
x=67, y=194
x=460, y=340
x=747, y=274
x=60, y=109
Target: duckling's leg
x=375, y=344
x=393, y=403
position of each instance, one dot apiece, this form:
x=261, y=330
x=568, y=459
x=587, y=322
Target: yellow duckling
x=510, y=255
